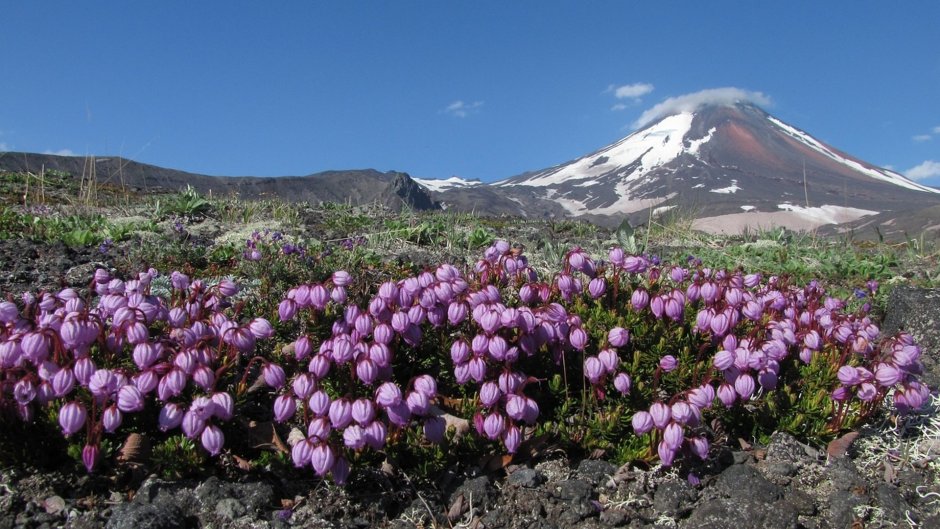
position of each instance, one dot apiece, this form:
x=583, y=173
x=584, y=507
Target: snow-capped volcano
x=723, y=159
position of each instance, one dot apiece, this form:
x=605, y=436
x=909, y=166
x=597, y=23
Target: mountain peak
x=712, y=97
x=725, y=153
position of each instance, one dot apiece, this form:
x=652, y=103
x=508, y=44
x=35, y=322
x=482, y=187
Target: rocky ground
x=782, y=485
x=885, y=478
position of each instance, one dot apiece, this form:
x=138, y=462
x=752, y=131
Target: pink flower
x=668, y=363
x=673, y=436
x=489, y=394
x=516, y=407
x=284, y=408
x=578, y=338
x=224, y=408
x=261, y=328
x=702, y=396
x=723, y=360
x=666, y=454
x=512, y=438
x=593, y=369
x=90, y=456
x=417, y=403
x=427, y=385
x=340, y=413
x=171, y=416
x=622, y=383
x=287, y=309
x=642, y=422
x=341, y=278
x=212, y=439
x=354, y=437
x=609, y=360
x=727, y=394
x=388, y=394
x=886, y=375
x=72, y=417
x=640, y=299
x=494, y=425
x=301, y=453
x=322, y=459
x=618, y=337
x=661, y=414
x=699, y=447
x=363, y=411
x=129, y=398
x=744, y=386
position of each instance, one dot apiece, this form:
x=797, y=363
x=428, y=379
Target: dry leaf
x=242, y=463
x=494, y=462
x=135, y=449
x=891, y=475
x=457, y=509
x=744, y=444
x=839, y=447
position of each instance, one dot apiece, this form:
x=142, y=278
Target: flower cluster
x=100, y=362
x=672, y=341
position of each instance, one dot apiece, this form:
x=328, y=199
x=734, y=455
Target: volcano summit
x=733, y=164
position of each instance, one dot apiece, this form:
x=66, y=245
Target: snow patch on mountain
x=441, y=185
x=695, y=145
x=727, y=190
x=878, y=174
x=827, y=214
x=792, y=217
x=648, y=149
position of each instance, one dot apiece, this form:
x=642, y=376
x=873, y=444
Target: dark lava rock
x=526, y=477
x=478, y=491
x=747, y=512
x=917, y=311
x=596, y=471
x=249, y=497
x=843, y=475
x=784, y=448
x=674, y=499
x=162, y=515
x=745, y=481
x=842, y=505
x=574, y=489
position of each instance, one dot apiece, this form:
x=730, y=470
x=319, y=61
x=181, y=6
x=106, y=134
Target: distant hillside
x=392, y=189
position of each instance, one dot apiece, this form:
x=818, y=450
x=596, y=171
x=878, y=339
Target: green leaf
x=626, y=237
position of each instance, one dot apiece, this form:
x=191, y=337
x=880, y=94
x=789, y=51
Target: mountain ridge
x=734, y=165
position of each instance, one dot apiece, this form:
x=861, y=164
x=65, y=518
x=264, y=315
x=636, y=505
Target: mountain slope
x=722, y=160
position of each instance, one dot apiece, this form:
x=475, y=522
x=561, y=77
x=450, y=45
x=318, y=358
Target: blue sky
x=475, y=89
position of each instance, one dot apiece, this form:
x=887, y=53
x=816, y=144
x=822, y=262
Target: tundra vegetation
x=326, y=338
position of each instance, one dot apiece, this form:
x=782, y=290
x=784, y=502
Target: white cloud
x=688, y=102
x=936, y=130
x=618, y=107
x=3, y=147
x=928, y=169
x=60, y=152
x=921, y=137
x=461, y=109
x=631, y=91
